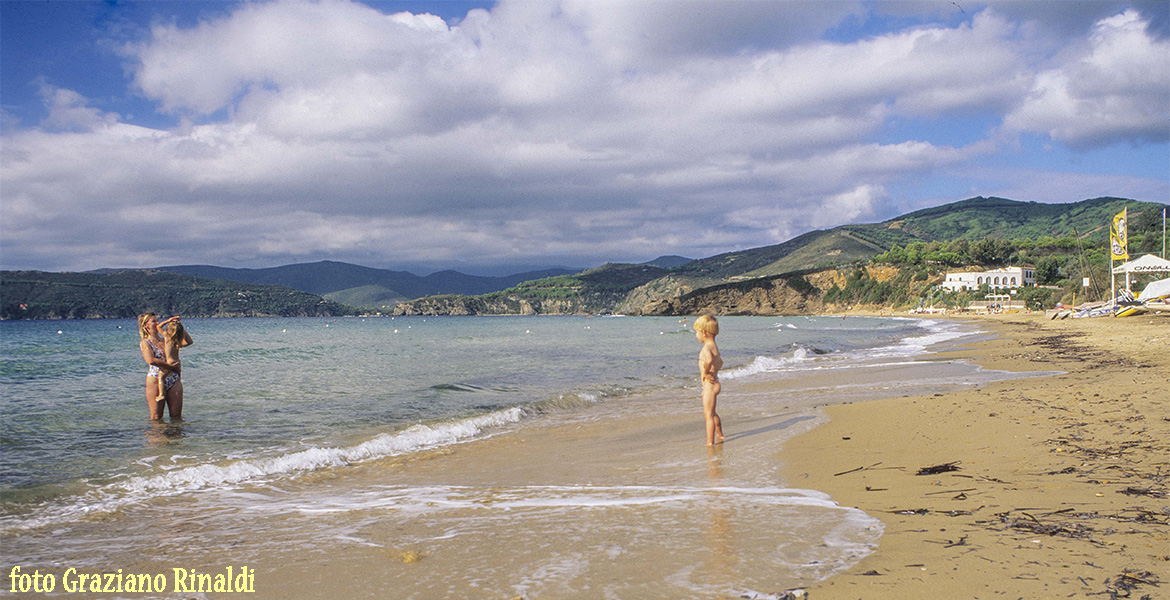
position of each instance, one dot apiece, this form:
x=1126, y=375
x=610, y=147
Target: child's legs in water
x=714, y=423
x=162, y=392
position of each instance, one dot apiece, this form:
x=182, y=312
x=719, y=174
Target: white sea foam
x=806, y=359
x=430, y=499
x=937, y=332
x=767, y=364
x=257, y=470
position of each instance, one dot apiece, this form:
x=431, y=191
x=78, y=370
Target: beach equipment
x=1155, y=290
x=1119, y=237
x=1118, y=247
x=1149, y=263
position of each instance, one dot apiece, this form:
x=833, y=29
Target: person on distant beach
x=706, y=328
x=163, y=380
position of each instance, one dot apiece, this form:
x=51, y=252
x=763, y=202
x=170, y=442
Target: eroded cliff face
x=756, y=297
x=660, y=290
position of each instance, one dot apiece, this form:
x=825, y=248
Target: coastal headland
x=1047, y=487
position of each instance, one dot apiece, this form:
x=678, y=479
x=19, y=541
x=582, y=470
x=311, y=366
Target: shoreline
x=1061, y=481
x=579, y=504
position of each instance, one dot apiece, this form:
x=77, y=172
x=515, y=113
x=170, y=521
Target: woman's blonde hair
x=142, y=319
x=173, y=332
x=708, y=324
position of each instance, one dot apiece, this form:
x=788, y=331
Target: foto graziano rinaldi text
x=182, y=581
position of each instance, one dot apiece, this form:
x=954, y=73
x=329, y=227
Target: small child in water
x=174, y=337
x=706, y=328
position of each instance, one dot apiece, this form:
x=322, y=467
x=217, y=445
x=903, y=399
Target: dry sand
x=1061, y=487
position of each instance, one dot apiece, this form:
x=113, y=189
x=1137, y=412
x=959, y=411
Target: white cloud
x=537, y=131
x=1116, y=89
x=68, y=111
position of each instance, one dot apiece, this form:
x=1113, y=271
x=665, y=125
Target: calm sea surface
x=273, y=401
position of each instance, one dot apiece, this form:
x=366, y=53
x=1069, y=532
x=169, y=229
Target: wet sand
x=611, y=504
x=1061, y=482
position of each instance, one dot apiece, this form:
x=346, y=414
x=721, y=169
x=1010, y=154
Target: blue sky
x=538, y=132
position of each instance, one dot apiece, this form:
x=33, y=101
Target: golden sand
x=1061, y=481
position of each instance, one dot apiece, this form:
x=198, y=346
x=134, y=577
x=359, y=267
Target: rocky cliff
x=767, y=296
x=661, y=290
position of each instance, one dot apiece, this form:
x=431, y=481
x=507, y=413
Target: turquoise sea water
x=73, y=400
x=273, y=404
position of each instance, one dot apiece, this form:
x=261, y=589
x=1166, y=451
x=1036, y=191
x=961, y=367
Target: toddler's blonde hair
x=173, y=332
x=708, y=324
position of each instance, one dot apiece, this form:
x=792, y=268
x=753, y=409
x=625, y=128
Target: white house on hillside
x=1011, y=277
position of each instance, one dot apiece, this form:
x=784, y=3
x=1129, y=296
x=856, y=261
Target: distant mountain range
x=367, y=287
x=749, y=278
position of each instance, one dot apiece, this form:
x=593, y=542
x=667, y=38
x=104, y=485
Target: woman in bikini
x=163, y=381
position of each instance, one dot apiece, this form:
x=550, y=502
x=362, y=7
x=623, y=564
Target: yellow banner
x=1118, y=237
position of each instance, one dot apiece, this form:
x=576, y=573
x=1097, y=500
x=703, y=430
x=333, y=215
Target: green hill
x=980, y=218
x=972, y=220
x=922, y=244
x=126, y=294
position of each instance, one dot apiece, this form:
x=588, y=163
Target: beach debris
x=1033, y=525
x=911, y=511
x=950, y=492
x=871, y=573
x=406, y=556
x=936, y=469
x=961, y=542
x=856, y=470
x=1137, y=491
x=1128, y=581
x=794, y=594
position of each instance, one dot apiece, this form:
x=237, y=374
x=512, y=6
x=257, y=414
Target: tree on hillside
x=1048, y=270
x=991, y=251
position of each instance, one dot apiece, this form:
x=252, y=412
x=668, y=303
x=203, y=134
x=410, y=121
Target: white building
x=1011, y=277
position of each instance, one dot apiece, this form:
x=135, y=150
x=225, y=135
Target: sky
x=474, y=135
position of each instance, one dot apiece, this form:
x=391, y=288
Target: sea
x=399, y=441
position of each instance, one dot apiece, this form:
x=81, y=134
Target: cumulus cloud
x=68, y=110
x=1115, y=89
x=572, y=131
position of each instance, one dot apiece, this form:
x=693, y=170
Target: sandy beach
x=1060, y=482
